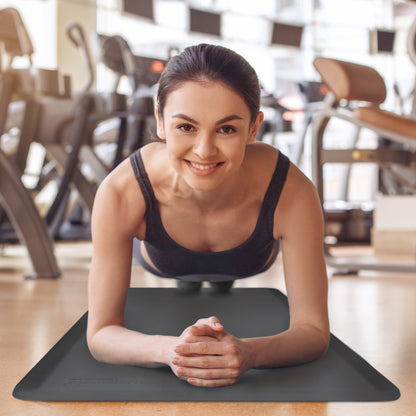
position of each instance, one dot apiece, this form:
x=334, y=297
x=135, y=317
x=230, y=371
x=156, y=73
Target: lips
x=203, y=167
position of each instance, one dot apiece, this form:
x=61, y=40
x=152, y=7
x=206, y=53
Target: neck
x=211, y=199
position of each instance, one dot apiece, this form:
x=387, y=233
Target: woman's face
x=206, y=126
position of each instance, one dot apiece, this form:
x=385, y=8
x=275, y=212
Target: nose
x=205, y=146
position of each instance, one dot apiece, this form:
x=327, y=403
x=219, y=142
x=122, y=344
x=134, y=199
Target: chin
x=203, y=187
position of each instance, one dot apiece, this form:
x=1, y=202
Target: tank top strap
x=144, y=181
x=272, y=196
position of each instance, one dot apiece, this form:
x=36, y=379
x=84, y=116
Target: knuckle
x=235, y=373
x=232, y=349
x=186, y=332
x=235, y=363
x=204, y=362
x=203, y=348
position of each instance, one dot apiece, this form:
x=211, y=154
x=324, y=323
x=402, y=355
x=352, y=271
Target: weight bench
x=355, y=95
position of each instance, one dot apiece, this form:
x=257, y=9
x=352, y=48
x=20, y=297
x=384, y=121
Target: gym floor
x=373, y=313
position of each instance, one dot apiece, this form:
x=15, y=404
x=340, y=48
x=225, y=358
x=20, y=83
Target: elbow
x=316, y=342
x=321, y=343
x=323, y=348
x=94, y=346
x=101, y=344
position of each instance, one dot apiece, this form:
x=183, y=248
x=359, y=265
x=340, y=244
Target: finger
x=207, y=374
x=199, y=330
x=201, y=348
x=191, y=338
x=211, y=383
x=212, y=321
x=204, y=330
x=202, y=374
x=214, y=373
x=202, y=361
x=178, y=373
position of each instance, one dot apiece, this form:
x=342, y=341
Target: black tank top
x=253, y=256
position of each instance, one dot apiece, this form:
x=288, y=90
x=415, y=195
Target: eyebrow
x=223, y=120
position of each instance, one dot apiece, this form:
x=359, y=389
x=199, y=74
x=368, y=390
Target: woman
x=207, y=200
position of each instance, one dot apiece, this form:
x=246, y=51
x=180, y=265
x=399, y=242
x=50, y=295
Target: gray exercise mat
x=69, y=373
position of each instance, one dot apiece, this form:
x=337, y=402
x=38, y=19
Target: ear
x=160, y=128
x=254, y=128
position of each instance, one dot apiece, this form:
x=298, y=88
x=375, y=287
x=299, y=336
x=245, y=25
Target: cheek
x=235, y=149
x=176, y=151
x=173, y=145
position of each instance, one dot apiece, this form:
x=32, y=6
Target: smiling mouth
x=201, y=166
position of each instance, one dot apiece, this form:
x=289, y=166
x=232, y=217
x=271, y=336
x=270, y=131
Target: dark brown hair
x=213, y=63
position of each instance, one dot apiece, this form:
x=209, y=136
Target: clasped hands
x=206, y=355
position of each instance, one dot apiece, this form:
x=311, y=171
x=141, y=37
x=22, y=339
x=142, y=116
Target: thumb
x=215, y=323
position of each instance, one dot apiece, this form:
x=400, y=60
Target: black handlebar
x=76, y=34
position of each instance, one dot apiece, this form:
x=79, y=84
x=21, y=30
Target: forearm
x=118, y=345
x=297, y=345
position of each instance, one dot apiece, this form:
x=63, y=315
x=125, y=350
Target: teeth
x=202, y=167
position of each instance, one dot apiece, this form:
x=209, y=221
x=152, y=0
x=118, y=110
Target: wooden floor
x=374, y=313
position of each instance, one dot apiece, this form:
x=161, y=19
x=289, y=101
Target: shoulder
x=153, y=153
x=156, y=163
x=122, y=180
x=299, y=205
x=261, y=154
x=119, y=197
x=261, y=157
x=259, y=164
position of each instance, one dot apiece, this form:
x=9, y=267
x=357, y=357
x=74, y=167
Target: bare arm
x=299, y=224
x=118, y=216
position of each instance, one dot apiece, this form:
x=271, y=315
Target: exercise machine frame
x=353, y=83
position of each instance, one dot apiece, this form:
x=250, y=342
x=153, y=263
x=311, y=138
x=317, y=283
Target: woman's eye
x=227, y=129
x=186, y=128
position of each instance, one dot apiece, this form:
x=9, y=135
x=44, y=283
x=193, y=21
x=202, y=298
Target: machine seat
x=386, y=120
